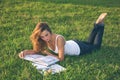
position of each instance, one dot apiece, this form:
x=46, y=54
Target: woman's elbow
x=61, y=59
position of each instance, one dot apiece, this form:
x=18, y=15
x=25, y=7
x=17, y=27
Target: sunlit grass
x=71, y=18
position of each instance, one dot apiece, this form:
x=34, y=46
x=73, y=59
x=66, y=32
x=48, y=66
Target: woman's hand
x=22, y=54
x=26, y=52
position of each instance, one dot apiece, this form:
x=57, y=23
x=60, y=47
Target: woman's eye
x=46, y=35
x=41, y=36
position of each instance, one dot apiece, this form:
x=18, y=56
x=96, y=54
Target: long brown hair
x=38, y=44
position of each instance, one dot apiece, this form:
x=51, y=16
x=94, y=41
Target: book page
x=56, y=68
x=32, y=57
x=47, y=60
x=39, y=67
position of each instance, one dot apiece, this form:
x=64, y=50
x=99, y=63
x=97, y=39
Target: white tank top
x=70, y=48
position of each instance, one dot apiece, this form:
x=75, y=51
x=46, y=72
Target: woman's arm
x=60, y=45
x=48, y=53
x=26, y=52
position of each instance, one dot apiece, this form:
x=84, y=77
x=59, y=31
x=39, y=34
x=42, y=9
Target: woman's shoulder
x=60, y=39
x=59, y=36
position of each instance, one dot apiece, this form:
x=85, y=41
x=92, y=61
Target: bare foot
x=101, y=18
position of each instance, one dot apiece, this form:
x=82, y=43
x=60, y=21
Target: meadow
x=73, y=19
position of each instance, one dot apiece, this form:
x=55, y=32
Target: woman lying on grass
x=43, y=38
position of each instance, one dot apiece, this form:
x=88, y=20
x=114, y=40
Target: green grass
x=72, y=18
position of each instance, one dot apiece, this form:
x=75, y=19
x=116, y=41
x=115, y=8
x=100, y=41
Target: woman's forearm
x=26, y=52
x=48, y=53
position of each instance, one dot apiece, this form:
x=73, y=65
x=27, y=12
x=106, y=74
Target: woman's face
x=46, y=35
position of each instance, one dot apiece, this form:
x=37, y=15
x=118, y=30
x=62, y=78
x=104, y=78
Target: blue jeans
x=94, y=40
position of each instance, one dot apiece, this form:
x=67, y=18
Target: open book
x=40, y=59
x=45, y=64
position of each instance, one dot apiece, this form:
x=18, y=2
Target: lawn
x=73, y=19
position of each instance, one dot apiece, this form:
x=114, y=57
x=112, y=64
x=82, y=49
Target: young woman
x=43, y=38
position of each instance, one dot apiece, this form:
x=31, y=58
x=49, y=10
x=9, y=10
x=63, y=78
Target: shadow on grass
x=114, y=76
x=103, y=3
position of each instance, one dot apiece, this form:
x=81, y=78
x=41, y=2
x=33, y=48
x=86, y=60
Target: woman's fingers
x=21, y=54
